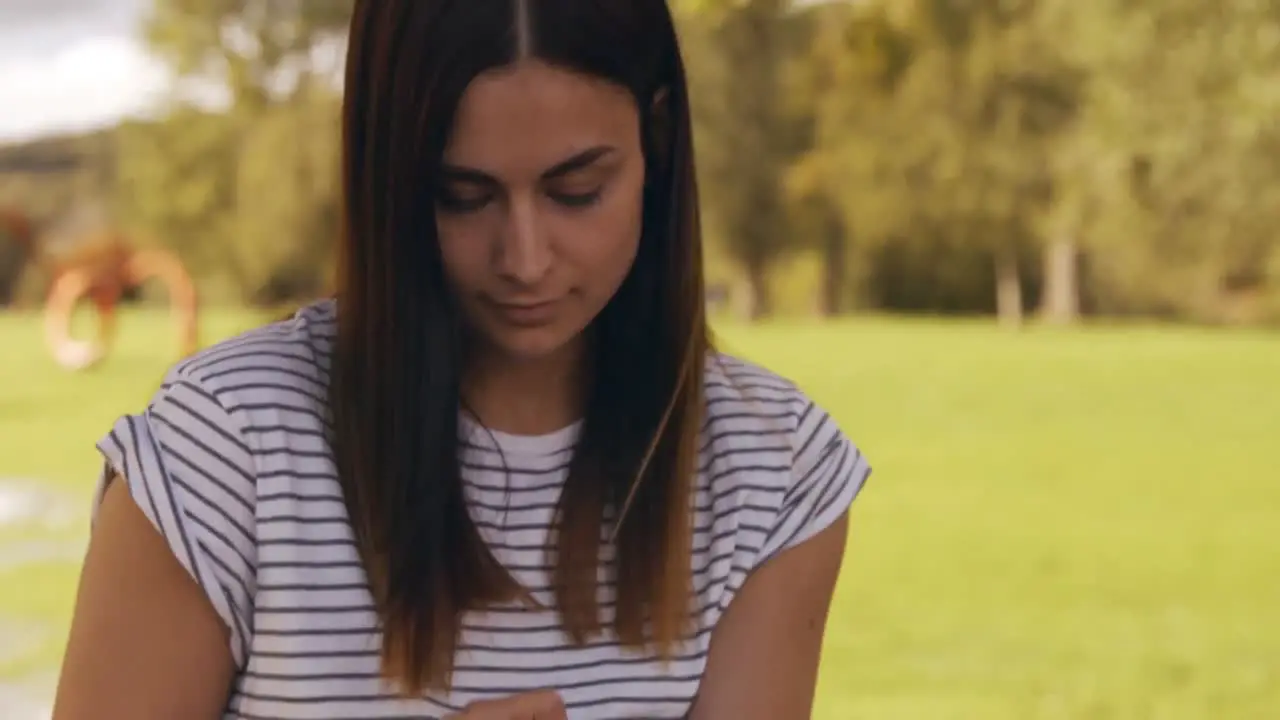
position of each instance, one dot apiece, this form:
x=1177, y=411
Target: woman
x=502, y=474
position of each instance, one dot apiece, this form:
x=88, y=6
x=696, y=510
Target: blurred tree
x=840, y=88
x=240, y=176
x=737, y=53
x=938, y=122
x=920, y=155
x=1184, y=101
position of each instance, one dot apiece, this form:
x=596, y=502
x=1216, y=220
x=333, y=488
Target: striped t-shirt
x=230, y=462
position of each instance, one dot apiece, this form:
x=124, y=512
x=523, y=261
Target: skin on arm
x=145, y=643
x=763, y=663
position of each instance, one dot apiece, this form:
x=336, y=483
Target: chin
x=531, y=344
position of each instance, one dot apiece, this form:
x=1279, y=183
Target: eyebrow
x=560, y=169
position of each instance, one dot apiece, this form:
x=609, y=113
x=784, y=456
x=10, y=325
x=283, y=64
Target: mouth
x=525, y=314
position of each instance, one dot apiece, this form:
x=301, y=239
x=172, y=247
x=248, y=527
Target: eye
x=576, y=200
x=462, y=202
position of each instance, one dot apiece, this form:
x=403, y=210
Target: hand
x=540, y=705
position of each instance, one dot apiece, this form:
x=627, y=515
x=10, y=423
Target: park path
x=25, y=504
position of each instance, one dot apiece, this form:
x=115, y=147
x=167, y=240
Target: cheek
x=604, y=246
x=464, y=248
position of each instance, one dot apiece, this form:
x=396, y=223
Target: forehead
x=527, y=117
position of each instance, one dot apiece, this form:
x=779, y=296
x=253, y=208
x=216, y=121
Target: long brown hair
x=398, y=358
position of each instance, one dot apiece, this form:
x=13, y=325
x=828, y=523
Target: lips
x=525, y=314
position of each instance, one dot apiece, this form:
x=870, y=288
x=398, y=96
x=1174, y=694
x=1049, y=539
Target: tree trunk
x=759, y=299
x=1060, y=300
x=834, y=270
x=1008, y=290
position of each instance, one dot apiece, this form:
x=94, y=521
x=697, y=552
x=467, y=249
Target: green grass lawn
x=1068, y=525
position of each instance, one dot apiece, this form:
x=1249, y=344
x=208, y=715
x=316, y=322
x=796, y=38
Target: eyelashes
x=462, y=203
x=453, y=203
x=577, y=200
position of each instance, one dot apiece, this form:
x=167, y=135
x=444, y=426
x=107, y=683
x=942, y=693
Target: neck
x=526, y=396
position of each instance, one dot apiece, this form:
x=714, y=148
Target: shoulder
x=751, y=406
x=783, y=456
x=284, y=363
x=191, y=457
x=248, y=400
x=737, y=389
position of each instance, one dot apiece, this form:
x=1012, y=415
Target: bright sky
x=68, y=65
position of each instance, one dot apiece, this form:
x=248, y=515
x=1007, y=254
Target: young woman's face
x=540, y=203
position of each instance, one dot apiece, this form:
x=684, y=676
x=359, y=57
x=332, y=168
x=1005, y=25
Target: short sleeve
x=188, y=468
x=827, y=472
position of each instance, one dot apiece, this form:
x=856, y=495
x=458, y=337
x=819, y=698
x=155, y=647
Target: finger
x=548, y=705
x=554, y=713
x=536, y=705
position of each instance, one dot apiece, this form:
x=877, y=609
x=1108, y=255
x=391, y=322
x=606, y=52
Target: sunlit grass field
x=1070, y=525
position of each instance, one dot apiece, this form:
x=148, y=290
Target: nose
x=523, y=253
